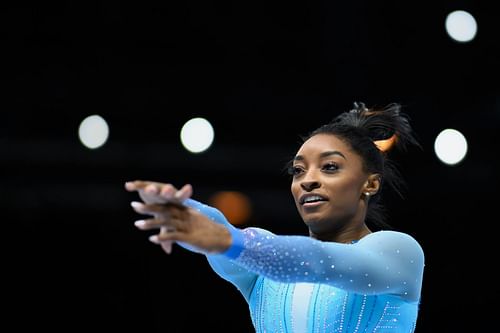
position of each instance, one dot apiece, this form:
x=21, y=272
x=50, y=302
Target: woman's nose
x=310, y=185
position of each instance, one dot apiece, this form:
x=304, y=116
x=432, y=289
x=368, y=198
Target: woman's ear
x=372, y=184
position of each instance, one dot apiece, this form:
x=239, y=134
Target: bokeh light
x=93, y=132
x=450, y=146
x=461, y=26
x=197, y=135
x=233, y=204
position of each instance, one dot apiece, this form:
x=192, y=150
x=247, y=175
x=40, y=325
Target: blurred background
x=218, y=94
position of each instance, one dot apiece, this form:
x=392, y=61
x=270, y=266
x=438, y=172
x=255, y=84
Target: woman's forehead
x=323, y=142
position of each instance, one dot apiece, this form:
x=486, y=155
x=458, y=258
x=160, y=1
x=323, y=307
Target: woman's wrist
x=236, y=244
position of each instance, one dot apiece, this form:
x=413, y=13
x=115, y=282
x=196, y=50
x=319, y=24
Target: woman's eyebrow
x=322, y=155
x=332, y=152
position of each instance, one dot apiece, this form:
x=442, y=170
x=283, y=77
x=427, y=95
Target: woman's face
x=328, y=183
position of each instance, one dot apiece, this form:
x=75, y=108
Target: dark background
x=264, y=73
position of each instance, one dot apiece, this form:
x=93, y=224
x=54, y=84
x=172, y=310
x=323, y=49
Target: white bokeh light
x=93, y=131
x=461, y=26
x=450, y=146
x=197, y=135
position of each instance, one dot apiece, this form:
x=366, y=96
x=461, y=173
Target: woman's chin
x=313, y=222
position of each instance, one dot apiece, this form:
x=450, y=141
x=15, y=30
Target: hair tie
x=386, y=144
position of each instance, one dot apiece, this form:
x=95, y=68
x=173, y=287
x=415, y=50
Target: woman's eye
x=331, y=167
x=294, y=170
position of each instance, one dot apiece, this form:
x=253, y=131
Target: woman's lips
x=313, y=204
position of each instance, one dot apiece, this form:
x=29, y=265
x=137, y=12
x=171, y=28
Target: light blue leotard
x=298, y=284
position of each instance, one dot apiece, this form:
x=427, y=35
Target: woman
x=343, y=277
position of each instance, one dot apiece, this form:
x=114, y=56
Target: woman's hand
x=159, y=193
x=175, y=221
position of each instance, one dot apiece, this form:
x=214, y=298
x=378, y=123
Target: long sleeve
x=384, y=262
x=240, y=277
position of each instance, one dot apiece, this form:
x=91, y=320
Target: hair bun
x=386, y=144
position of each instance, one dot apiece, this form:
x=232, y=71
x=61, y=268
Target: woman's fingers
x=166, y=240
x=160, y=193
x=150, y=209
x=148, y=191
x=148, y=224
x=151, y=192
x=137, y=185
x=184, y=193
x=167, y=246
x=166, y=237
x=164, y=224
x=170, y=214
x=151, y=197
x=167, y=191
x=149, y=186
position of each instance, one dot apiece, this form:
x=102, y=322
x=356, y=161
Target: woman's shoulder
x=390, y=234
x=392, y=240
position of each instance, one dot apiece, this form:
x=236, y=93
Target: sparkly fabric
x=299, y=284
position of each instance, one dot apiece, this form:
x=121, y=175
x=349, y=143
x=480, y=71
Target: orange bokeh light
x=233, y=204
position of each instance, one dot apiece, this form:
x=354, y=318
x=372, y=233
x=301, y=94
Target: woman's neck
x=344, y=235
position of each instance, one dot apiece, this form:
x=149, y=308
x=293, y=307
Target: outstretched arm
x=384, y=262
